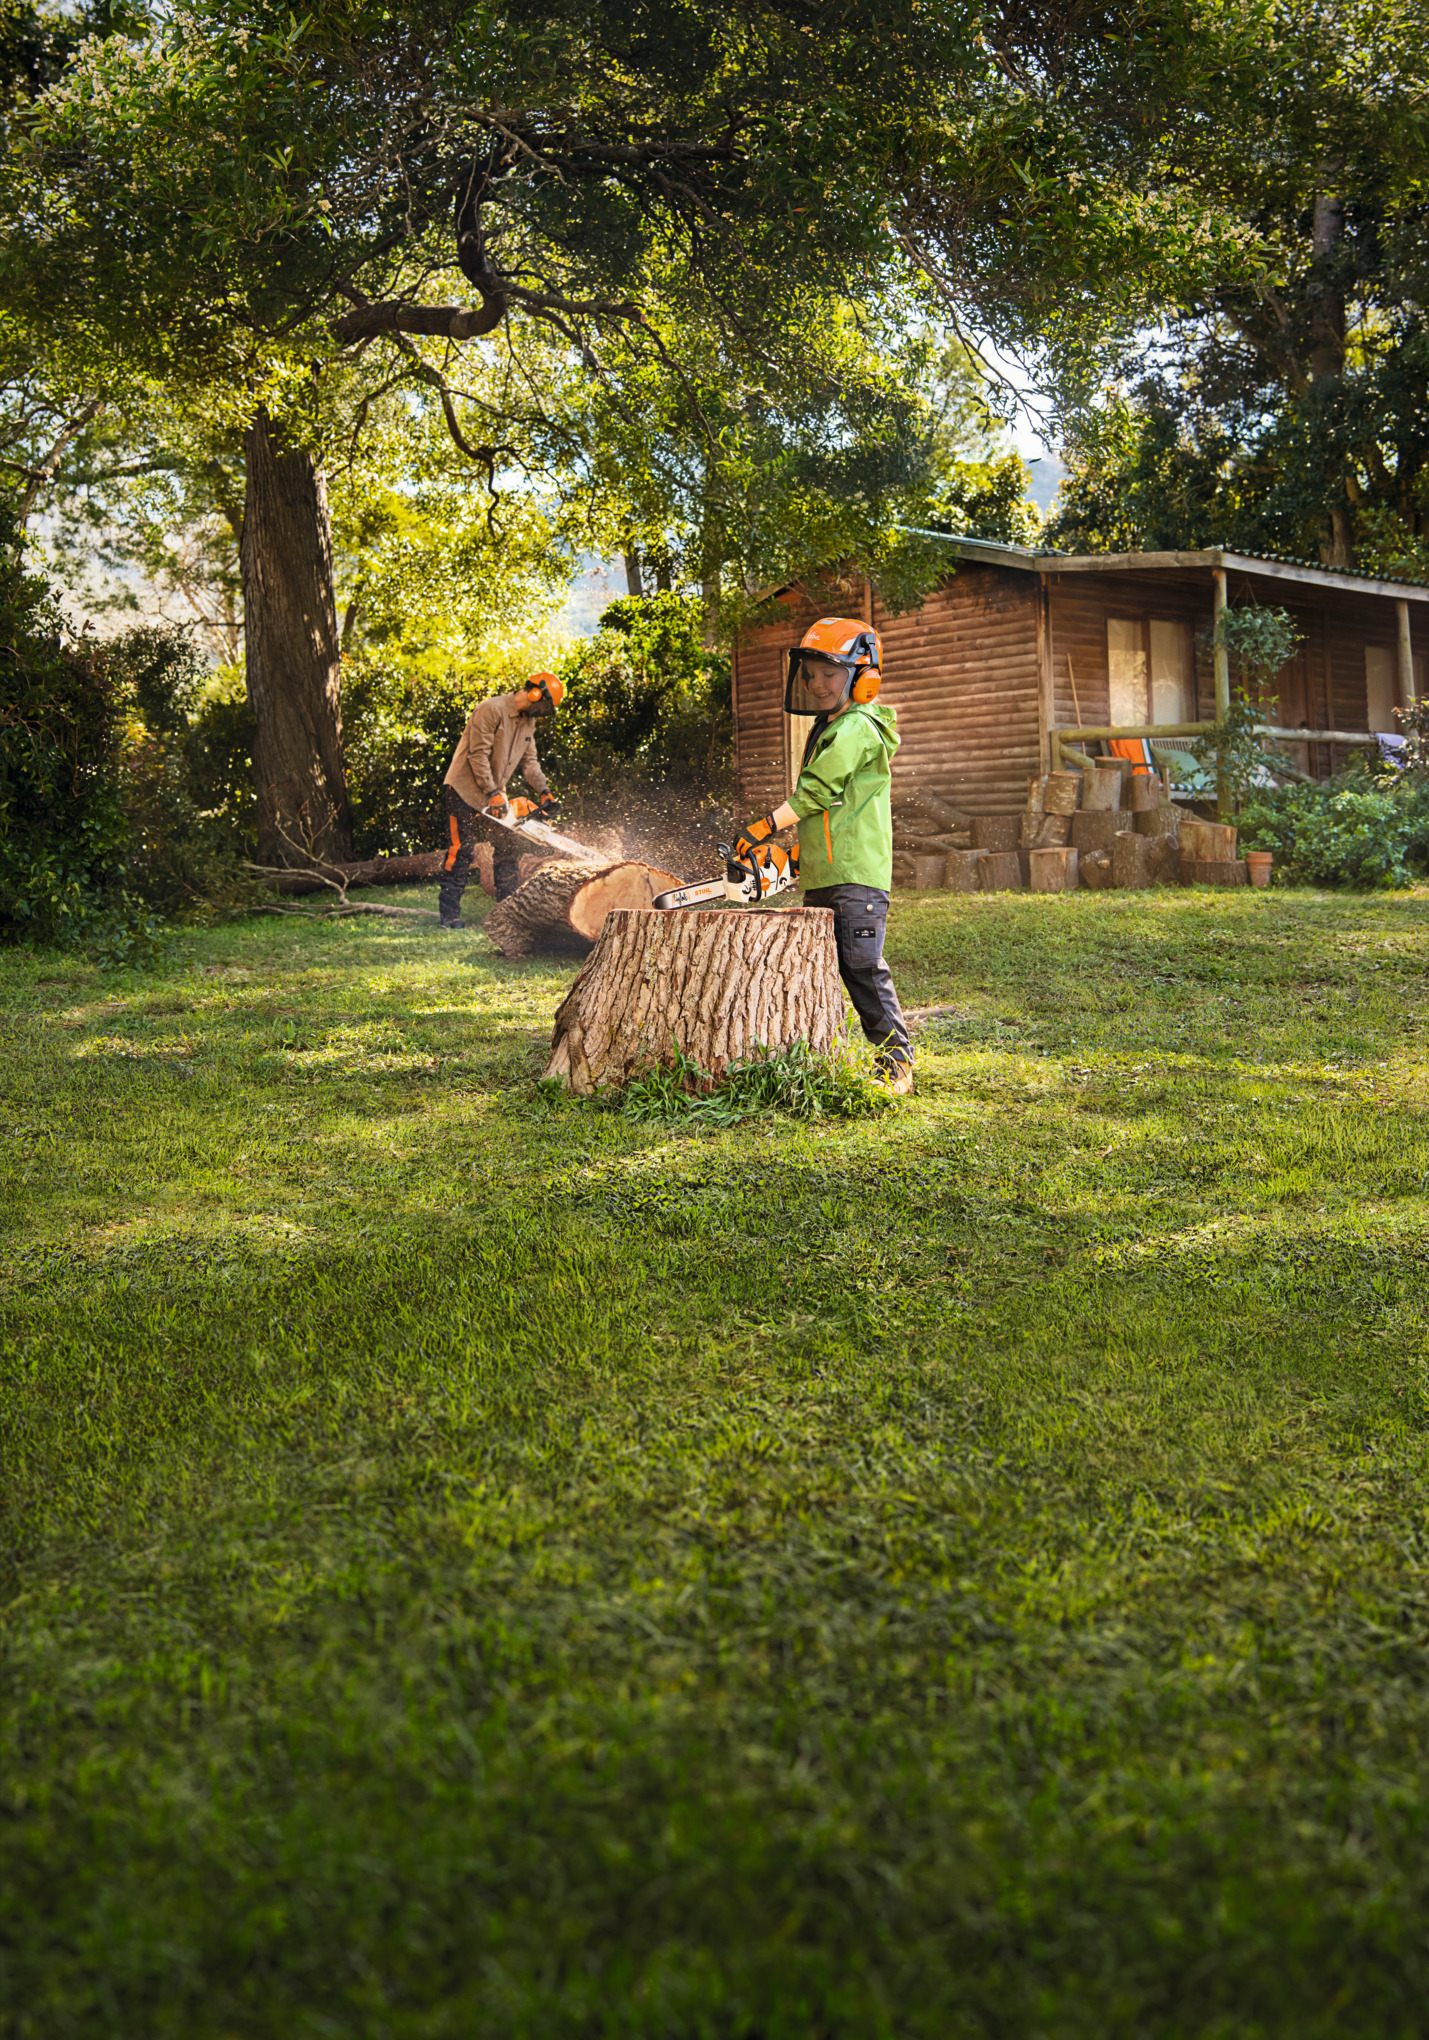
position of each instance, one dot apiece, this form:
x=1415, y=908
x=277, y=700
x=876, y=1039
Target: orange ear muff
x=866, y=687
x=547, y=684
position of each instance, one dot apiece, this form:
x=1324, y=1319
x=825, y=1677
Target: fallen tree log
x=561, y=908
x=712, y=985
x=425, y=865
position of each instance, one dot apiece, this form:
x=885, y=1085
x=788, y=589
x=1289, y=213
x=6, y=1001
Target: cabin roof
x=1273, y=567
x=1276, y=567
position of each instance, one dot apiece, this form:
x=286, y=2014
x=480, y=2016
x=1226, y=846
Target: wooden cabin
x=1017, y=651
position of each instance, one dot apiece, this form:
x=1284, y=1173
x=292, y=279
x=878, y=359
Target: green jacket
x=842, y=801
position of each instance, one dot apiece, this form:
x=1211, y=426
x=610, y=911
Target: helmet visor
x=815, y=684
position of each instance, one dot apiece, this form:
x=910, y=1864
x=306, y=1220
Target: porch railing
x=1064, y=737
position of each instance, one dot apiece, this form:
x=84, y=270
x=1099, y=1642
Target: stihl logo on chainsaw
x=768, y=870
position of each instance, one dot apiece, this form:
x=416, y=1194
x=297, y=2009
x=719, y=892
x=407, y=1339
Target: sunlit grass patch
x=473, y=1568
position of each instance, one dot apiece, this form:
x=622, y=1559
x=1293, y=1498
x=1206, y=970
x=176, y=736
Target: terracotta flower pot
x=1257, y=864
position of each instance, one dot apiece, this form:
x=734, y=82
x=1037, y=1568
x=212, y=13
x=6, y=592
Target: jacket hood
x=885, y=721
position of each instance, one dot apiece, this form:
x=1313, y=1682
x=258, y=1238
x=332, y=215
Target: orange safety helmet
x=544, y=692
x=841, y=643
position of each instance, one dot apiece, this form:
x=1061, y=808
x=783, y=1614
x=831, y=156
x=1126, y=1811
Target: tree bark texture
x=713, y=985
x=561, y=908
x=290, y=621
x=414, y=870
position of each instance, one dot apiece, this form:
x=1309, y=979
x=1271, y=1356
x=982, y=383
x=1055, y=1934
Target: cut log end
x=561, y=908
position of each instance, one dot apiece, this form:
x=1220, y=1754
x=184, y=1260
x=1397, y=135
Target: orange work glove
x=753, y=834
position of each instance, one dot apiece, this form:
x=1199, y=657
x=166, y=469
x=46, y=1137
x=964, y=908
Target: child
x=842, y=805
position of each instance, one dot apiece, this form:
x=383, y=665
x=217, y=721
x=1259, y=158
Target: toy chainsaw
x=768, y=870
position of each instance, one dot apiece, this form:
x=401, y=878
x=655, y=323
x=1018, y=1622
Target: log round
x=1143, y=792
x=1131, y=861
x=1064, y=790
x=560, y=909
x=1094, y=869
x=1103, y=788
x=1052, y=870
x=711, y=984
x=1001, y=871
x=930, y=873
x=996, y=832
x=962, y=870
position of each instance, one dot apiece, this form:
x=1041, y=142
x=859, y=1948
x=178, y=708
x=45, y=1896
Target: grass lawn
x=476, y=1568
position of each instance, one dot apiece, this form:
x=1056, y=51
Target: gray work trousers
x=860, y=917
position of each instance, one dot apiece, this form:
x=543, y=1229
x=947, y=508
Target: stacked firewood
x=928, y=832
x=1106, y=827
x=1095, y=829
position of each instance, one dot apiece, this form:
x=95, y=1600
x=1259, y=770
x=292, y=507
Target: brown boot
x=897, y=1077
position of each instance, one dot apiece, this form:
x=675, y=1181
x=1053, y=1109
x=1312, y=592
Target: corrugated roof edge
x=1276, y=566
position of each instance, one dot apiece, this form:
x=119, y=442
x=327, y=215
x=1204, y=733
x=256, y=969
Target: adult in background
x=499, y=737
x=842, y=803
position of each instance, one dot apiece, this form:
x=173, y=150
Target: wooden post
x=1046, y=686
x=1406, y=657
x=1222, y=662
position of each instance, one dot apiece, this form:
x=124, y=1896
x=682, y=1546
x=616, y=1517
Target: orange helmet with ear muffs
x=834, y=647
x=544, y=691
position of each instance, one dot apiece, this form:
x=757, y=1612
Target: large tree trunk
x=713, y=985
x=290, y=622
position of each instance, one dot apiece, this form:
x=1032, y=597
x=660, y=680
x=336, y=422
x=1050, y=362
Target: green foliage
x=103, y=755
x=1357, y=834
x=1236, y=757
x=399, y=729
x=63, y=719
x=1260, y=643
x=838, y=1085
x=643, y=694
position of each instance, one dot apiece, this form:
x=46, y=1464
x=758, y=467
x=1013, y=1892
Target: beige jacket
x=495, y=741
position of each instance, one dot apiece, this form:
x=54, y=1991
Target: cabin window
x=1149, y=667
x=1380, y=678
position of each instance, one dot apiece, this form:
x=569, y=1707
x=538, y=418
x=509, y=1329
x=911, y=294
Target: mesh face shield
x=815, y=684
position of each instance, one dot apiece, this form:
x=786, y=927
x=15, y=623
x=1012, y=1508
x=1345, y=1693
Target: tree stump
x=1143, y=792
x=560, y=909
x=1094, y=869
x=713, y=985
x=1064, y=790
x=929, y=872
x=1103, y=788
x=996, y=832
x=1053, y=870
x=1001, y=871
x=1131, y=861
x=1037, y=794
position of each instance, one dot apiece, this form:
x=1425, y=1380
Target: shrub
x=63, y=715
x=1350, y=832
x=644, y=696
x=398, y=734
x=102, y=826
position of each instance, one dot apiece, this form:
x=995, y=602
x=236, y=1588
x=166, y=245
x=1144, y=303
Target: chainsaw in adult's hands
x=759, y=873
x=525, y=818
